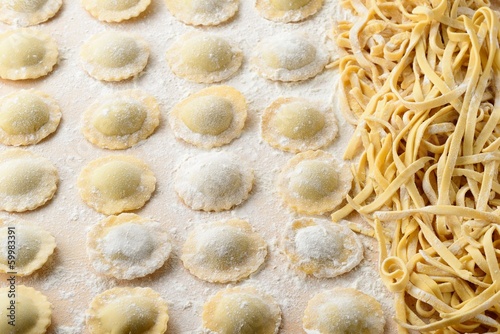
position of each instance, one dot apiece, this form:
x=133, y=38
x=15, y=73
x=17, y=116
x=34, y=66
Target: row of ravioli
x=243, y=309
x=194, y=12
x=197, y=56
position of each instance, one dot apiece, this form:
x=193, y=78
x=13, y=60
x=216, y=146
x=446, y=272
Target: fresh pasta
x=419, y=80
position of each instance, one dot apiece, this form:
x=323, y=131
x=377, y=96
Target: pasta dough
x=288, y=57
x=314, y=182
x=321, y=249
x=114, y=56
x=27, y=180
x=116, y=183
x=343, y=310
x=288, y=10
x=213, y=181
x=212, y=117
x=26, y=54
x=296, y=124
x=203, y=12
x=115, y=11
x=223, y=251
x=27, y=117
x=127, y=246
x=128, y=310
x=33, y=246
x=28, y=12
x=203, y=57
x=121, y=120
x=242, y=310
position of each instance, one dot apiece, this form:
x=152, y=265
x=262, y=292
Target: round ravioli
x=203, y=12
x=287, y=10
x=223, y=251
x=314, y=182
x=27, y=180
x=289, y=57
x=241, y=310
x=116, y=183
x=203, y=57
x=26, y=54
x=114, y=56
x=121, y=120
x=127, y=246
x=296, y=124
x=28, y=12
x=115, y=11
x=213, y=181
x=32, y=247
x=128, y=311
x=343, y=310
x=32, y=311
x=212, y=117
x=321, y=249
x=27, y=117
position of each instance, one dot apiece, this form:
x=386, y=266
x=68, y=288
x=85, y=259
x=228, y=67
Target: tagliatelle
x=419, y=80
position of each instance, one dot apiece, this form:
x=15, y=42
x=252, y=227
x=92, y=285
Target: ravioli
x=214, y=181
x=115, y=11
x=128, y=311
x=224, y=251
x=127, y=246
x=203, y=57
x=288, y=10
x=203, y=12
x=33, y=247
x=321, y=249
x=343, y=310
x=242, y=310
x=28, y=12
x=211, y=117
x=116, y=183
x=121, y=120
x=314, y=182
x=289, y=57
x=27, y=180
x=114, y=56
x=296, y=124
x=26, y=54
x=27, y=117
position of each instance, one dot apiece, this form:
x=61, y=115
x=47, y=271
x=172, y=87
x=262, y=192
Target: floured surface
x=68, y=279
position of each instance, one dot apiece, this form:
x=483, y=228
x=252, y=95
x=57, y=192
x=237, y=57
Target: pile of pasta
x=420, y=80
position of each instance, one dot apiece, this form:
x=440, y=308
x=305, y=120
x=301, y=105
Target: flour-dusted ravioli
x=26, y=54
x=223, y=251
x=212, y=117
x=115, y=11
x=203, y=12
x=343, y=310
x=127, y=246
x=128, y=311
x=27, y=180
x=114, y=55
x=28, y=12
x=27, y=117
x=33, y=311
x=116, y=183
x=321, y=249
x=297, y=124
x=121, y=120
x=314, y=182
x=203, y=57
x=32, y=247
x=289, y=57
x=241, y=310
x=288, y=10
x=213, y=181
